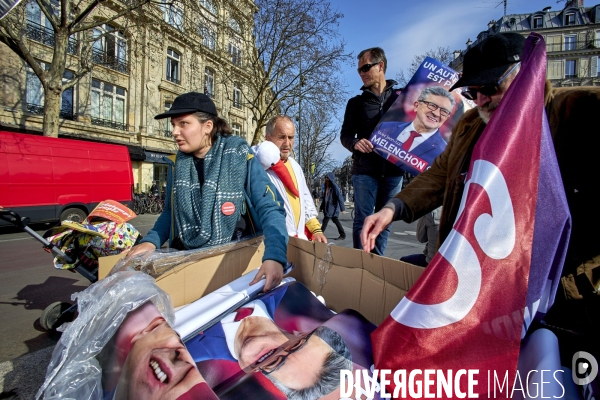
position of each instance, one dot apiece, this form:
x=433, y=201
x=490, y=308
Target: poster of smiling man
x=283, y=344
x=413, y=132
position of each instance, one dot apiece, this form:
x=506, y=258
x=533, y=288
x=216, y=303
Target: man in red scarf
x=288, y=178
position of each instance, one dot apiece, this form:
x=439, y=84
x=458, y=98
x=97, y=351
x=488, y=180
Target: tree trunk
x=52, y=104
x=53, y=84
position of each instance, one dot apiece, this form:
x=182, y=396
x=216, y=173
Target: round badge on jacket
x=228, y=208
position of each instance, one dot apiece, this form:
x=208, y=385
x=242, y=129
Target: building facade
x=572, y=37
x=140, y=63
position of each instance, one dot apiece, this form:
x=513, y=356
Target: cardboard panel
x=373, y=263
x=372, y=297
x=342, y=287
x=399, y=273
x=393, y=295
x=189, y=282
x=303, y=258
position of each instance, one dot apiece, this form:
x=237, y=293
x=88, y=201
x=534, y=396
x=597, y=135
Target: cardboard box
x=346, y=278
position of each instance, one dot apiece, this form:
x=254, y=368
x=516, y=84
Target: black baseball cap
x=487, y=61
x=188, y=103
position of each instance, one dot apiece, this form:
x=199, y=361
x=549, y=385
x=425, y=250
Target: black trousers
x=337, y=223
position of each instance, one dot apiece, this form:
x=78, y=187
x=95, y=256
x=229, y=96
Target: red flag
x=466, y=310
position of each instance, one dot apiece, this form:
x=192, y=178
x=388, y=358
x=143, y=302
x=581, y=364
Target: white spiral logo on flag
x=495, y=234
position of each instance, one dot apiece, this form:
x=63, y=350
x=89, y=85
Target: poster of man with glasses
x=284, y=344
x=413, y=132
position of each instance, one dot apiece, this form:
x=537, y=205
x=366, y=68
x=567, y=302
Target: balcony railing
x=110, y=61
x=167, y=132
x=46, y=36
x=110, y=124
x=39, y=110
x=571, y=46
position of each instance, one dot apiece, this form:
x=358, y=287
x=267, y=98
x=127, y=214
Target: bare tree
x=441, y=54
x=313, y=139
x=70, y=30
x=296, y=42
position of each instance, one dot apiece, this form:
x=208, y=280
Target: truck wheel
x=73, y=214
x=54, y=315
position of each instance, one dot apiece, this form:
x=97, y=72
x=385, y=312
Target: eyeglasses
x=275, y=358
x=433, y=107
x=367, y=67
x=487, y=90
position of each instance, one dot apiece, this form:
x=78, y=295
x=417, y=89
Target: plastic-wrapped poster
x=397, y=137
x=122, y=346
x=283, y=344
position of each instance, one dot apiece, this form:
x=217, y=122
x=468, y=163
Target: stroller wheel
x=56, y=314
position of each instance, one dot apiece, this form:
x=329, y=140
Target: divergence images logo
x=585, y=368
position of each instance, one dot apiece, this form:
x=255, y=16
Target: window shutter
x=555, y=70
x=594, y=66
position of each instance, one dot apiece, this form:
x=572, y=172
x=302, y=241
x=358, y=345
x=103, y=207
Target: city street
x=29, y=283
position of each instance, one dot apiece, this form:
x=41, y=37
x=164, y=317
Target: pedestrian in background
x=331, y=205
x=427, y=232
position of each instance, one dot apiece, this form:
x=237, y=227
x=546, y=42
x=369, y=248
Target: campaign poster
x=392, y=137
x=282, y=344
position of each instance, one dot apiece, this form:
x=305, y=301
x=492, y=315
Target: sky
x=405, y=28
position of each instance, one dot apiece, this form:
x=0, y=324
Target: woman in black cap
x=216, y=190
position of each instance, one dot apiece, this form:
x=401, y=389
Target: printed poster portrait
x=283, y=344
x=438, y=111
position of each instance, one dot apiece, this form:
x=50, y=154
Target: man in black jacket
x=375, y=180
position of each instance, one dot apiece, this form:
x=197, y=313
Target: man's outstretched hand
x=373, y=226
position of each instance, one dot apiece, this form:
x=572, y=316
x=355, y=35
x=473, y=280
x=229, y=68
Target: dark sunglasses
x=487, y=90
x=367, y=67
x=275, y=359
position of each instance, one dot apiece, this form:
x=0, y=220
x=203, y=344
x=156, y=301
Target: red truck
x=48, y=179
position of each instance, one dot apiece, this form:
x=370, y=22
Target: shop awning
x=136, y=153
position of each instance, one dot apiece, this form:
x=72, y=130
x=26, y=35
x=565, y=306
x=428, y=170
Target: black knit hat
x=488, y=61
x=188, y=103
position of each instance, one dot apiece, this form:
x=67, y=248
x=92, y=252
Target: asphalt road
x=29, y=283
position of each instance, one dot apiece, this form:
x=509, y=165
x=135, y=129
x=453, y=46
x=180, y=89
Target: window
x=39, y=27
x=173, y=15
x=209, y=36
x=555, y=70
x=597, y=40
x=166, y=122
x=570, y=69
x=209, y=5
x=110, y=48
x=236, y=54
x=209, y=82
x=173, y=66
x=553, y=43
x=237, y=96
x=236, y=129
x=34, y=93
x=108, y=105
x=570, y=42
x=538, y=22
x=235, y=25
x=570, y=19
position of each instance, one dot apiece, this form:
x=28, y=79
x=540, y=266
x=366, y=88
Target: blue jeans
x=370, y=195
